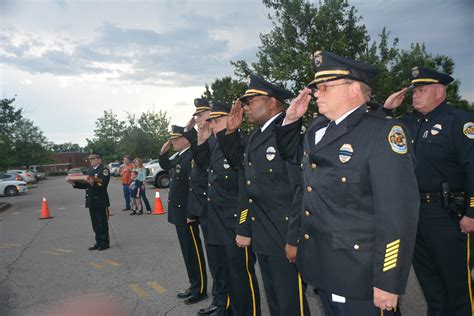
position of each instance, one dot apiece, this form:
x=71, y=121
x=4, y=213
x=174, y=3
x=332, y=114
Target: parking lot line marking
x=5, y=247
x=63, y=250
x=158, y=288
x=52, y=253
x=15, y=213
x=11, y=245
x=96, y=265
x=138, y=290
x=112, y=263
x=61, y=208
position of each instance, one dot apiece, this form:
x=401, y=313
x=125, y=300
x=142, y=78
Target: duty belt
x=437, y=196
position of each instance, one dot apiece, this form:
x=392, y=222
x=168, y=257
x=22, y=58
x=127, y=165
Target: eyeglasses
x=324, y=87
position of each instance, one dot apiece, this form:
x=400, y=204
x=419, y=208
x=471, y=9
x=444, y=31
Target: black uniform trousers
x=191, y=248
x=100, y=225
x=284, y=287
x=238, y=269
x=441, y=262
x=352, y=307
x=220, y=294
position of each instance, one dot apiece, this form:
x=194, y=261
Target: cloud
x=26, y=82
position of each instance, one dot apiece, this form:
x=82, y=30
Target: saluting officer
x=360, y=196
x=444, y=149
x=178, y=214
x=237, y=264
x=274, y=208
x=97, y=200
x=197, y=206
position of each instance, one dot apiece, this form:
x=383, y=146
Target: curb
x=4, y=206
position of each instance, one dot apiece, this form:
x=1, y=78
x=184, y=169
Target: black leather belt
x=437, y=196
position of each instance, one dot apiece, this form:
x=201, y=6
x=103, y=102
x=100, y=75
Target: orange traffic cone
x=158, y=205
x=45, y=210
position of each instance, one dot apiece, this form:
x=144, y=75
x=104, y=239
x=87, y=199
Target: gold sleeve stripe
x=471, y=202
x=388, y=258
x=390, y=267
x=243, y=216
x=391, y=251
x=393, y=243
x=386, y=264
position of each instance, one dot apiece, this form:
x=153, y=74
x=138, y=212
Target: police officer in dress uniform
x=274, y=200
x=360, y=200
x=97, y=200
x=178, y=214
x=237, y=264
x=444, y=148
x=197, y=206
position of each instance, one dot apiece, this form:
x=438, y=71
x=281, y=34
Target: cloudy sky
x=69, y=60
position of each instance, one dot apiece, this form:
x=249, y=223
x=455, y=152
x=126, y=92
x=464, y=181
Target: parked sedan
x=25, y=175
x=11, y=187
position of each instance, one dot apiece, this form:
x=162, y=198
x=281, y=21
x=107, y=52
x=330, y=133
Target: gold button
x=190, y=189
x=209, y=199
x=250, y=163
x=235, y=215
x=306, y=213
x=309, y=189
x=343, y=179
x=306, y=236
x=313, y=166
x=253, y=219
x=305, y=153
x=356, y=247
x=286, y=218
x=250, y=201
x=301, y=165
x=227, y=177
x=204, y=193
x=412, y=141
x=248, y=182
x=179, y=205
x=270, y=170
x=189, y=178
x=212, y=170
x=209, y=184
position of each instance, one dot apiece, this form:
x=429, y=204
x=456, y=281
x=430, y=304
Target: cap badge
x=415, y=72
x=318, y=58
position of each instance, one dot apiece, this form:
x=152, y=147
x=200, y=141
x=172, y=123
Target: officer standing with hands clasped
x=360, y=197
x=187, y=228
x=97, y=199
x=443, y=139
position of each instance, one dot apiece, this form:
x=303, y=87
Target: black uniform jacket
x=222, y=192
x=274, y=202
x=180, y=167
x=360, y=203
x=96, y=195
x=197, y=197
x=444, y=150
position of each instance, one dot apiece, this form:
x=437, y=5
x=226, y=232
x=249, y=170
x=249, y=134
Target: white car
x=25, y=175
x=156, y=175
x=11, y=187
x=114, y=168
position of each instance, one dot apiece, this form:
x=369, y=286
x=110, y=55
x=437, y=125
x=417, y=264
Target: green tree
x=225, y=90
x=65, y=147
x=301, y=27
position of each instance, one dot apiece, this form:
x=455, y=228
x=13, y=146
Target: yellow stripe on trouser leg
x=469, y=271
x=228, y=302
x=254, y=305
x=199, y=259
x=300, y=288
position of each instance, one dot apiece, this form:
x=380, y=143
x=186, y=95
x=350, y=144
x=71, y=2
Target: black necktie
x=330, y=128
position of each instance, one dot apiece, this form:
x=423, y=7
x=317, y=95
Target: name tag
x=338, y=299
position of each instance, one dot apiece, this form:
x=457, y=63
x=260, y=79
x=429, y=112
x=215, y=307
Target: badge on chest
x=436, y=129
x=178, y=168
x=345, y=153
x=270, y=153
x=225, y=164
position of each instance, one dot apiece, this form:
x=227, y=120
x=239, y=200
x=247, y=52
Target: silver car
x=11, y=187
x=25, y=175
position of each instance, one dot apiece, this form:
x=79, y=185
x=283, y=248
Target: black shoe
x=139, y=212
x=103, y=247
x=133, y=213
x=184, y=294
x=126, y=209
x=208, y=310
x=220, y=311
x=195, y=298
x=96, y=246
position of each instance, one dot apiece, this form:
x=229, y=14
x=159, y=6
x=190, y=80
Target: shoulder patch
x=398, y=140
x=468, y=130
x=105, y=172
